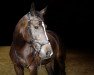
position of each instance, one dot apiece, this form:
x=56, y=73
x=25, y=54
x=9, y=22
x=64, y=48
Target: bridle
x=32, y=41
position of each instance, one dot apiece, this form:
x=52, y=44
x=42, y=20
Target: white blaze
x=44, y=30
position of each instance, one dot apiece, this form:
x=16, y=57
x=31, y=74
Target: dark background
x=72, y=20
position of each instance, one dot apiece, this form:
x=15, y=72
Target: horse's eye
x=36, y=27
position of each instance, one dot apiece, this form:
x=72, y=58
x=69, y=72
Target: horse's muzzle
x=46, y=51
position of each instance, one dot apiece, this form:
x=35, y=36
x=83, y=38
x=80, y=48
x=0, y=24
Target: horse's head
x=37, y=32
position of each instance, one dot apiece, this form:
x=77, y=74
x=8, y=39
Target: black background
x=72, y=20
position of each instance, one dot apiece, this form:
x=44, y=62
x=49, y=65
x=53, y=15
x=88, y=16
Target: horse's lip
x=43, y=58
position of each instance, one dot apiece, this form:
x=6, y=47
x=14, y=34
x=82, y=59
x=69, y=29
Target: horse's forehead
x=34, y=18
x=25, y=19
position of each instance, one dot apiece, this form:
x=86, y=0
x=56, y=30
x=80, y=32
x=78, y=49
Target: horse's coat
x=33, y=45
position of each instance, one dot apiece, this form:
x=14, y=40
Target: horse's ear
x=32, y=9
x=42, y=12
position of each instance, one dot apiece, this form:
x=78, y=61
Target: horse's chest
x=27, y=51
x=26, y=56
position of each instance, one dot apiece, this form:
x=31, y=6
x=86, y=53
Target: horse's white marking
x=44, y=30
x=47, y=39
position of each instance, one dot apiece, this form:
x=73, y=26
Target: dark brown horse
x=33, y=46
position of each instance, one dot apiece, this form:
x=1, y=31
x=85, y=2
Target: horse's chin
x=46, y=61
x=44, y=58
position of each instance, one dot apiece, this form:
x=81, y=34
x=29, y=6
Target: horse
x=33, y=45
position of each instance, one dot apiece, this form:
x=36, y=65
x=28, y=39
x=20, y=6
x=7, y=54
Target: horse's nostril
x=48, y=53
